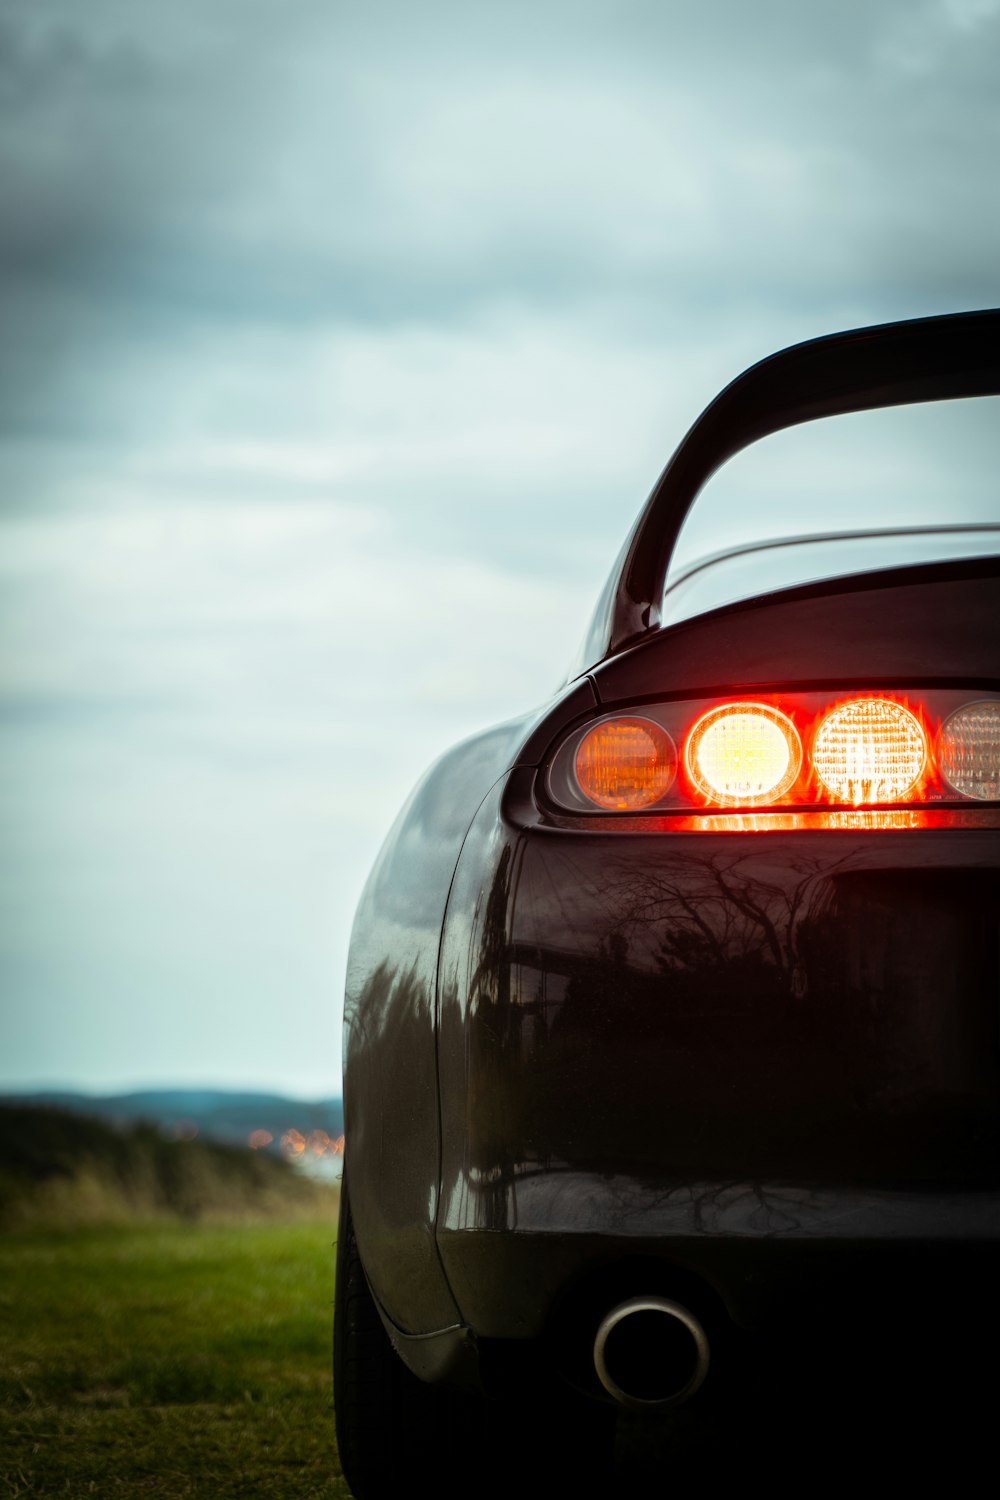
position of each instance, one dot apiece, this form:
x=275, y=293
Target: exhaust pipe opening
x=651, y=1353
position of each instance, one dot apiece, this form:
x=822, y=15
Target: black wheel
x=394, y=1431
x=388, y=1421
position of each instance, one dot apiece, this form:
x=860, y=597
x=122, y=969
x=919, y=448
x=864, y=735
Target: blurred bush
x=58, y=1168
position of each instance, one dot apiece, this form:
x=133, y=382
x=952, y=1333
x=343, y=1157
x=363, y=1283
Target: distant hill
x=57, y=1167
x=310, y=1129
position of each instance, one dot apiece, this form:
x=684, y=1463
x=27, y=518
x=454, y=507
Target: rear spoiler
x=894, y=364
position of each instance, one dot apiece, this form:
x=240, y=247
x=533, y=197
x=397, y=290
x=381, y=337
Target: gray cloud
x=672, y=166
x=341, y=344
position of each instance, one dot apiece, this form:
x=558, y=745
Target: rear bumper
x=769, y=1255
x=764, y=1064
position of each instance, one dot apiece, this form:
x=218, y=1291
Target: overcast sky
x=341, y=344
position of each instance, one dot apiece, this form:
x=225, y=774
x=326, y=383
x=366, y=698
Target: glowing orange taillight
x=743, y=754
x=869, y=750
x=625, y=764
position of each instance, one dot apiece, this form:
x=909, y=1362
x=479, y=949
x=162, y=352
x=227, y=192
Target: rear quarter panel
x=390, y=1026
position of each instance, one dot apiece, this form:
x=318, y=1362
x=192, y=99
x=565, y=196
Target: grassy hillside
x=63, y=1169
x=168, y=1361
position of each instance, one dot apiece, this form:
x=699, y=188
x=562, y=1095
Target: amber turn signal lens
x=625, y=764
x=969, y=751
x=743, y=754
x=869, y=750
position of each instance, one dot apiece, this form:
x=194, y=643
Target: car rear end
x=673, y=1063
x=721, y=1030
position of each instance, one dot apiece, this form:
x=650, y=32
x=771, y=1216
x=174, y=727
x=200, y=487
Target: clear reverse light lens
x=969, y=751
x=743, y=754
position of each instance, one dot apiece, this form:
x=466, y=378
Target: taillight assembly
x=802, y=751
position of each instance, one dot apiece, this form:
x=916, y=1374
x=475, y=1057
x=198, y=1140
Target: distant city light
x=316, y=1143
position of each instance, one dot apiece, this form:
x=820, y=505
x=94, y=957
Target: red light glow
x=844, y=820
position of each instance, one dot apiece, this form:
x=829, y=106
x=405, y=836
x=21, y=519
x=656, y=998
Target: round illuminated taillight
x=969, y=751
x=743, y=754
x=869, y=750
x=625, y=764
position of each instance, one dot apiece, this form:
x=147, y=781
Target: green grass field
x=168, y=1361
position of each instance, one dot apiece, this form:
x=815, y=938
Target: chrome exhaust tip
x=650, y=1353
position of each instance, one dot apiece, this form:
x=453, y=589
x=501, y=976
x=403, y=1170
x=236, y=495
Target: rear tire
x=395, y=1433
x=387, y=1420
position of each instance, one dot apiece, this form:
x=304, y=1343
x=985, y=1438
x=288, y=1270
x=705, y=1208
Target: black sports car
x=671, y=1025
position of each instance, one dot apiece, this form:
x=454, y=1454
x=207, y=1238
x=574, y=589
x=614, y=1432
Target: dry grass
x=59, y=1170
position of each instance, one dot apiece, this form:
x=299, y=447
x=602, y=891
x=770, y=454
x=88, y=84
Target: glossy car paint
x=391, y=1085
x=760, y=1068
